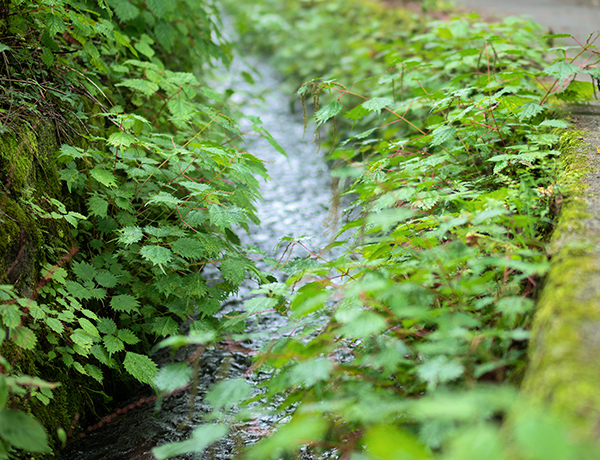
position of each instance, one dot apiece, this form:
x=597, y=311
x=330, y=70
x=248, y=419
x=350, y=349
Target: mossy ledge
x=564, y=352
x=28, y=242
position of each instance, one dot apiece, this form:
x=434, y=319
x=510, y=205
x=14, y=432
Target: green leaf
x=77, y=290
x=125, y=303
x=125, y=11
x=25, y=338
x=112, y=344
x=157, y=7
x=165, y=326
x=106, y=326
x=103, y=176
x=11, y=315
x=440, y=370
x=106, y=279
x=173, y=376
x=145, y=87
x=128, y=337
x=189, y=248
x=23, y=431
x=387, y=442
x=121, y=139
x=328, y=111
x=442, y=134
x=165, y=198
x=97, y=206
x=141, y=367
x=88, y=327
x=377, y=103
x=157, y=255
x=562, y=70
x=180, y=108
x=130, y=235
x=233, y=271
x=55, y=325
x=201, y=438
x=94, y=372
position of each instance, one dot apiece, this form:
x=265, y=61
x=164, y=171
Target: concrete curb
x=564, y=351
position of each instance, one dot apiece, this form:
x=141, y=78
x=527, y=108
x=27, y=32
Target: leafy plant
x=410, y=343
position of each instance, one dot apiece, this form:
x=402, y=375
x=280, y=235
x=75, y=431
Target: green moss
x=564, y=352
x=17, y=156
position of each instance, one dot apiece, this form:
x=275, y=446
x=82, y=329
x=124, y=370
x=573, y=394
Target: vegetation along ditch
x=130, y=223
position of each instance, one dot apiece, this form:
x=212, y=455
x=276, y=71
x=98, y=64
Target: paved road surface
x=578, y=18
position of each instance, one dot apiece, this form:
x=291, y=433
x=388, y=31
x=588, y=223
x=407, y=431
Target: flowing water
x=296, y=203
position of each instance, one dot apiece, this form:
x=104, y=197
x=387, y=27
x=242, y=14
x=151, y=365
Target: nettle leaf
x=233, y=271
x=157, y=255
x=106, y=279
x=328, y=111
x=106, y=326
x=377, y=103
x=84, y=271
x=141, y=367
x=158, y=7
x=55, y=325
x=125, y=303
x=98, y=206
x=77, y=290
x=25, y=338
x=121, y=139
x=125, y=11
x=130, y=235
x=89, y=328
x=145, y=87
x=189, y=248
x=94, y=372
x=103, y=176
x=128, y=337
x=562, y=70
x=442, y=134
x=166, y=199
x=165, y=326
x=113, y=344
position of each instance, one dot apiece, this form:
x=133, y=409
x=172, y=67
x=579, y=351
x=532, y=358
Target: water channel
x=295, y=203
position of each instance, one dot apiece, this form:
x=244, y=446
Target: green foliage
x=157, y=189
x=410, y=343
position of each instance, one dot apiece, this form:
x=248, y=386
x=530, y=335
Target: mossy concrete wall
x=28, y=241
x=564, y=369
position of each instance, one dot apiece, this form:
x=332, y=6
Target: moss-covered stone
x=564, y=352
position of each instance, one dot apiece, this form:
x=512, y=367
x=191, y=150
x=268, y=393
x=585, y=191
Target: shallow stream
x=295, y=203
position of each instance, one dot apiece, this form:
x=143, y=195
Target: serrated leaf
x=377, y=103
x=83, y=339
x=211, y=94
x=94, y=372
x=562, y=70
x=54, y=25
x=97, y=206
x=233, y=271
x=55, y=325
x=113, y=344
x=328, y=111
x=125, y=303
x=180, y=108
x=165, y=326
x=141, y=367
x=25, y=338
x=125, y=11
x=88, y=327
x=157, y=255
x=77, y=290
x=166, y=199
x=103, y=176
x=157, y=7
x=79, y=368
x=130, y=235
x=128, y=337
x=121, y=139
x=442, y=134
x=106, y=326
x=11, y=315
x=189, y=248
x=106, y=279
x=145, y=87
